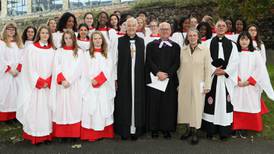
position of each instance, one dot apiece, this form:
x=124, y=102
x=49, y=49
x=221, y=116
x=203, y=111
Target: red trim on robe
x=229, y=33
x=5, y=116
x=40, y=83
x=251, y=81
x=48, y=81
x=8, y=69
x=239, y=79
x=250, y=121
x=92, y=135
x=264, y=108
x=247, y=121
x=91, y=28
x=213, y=30
x=68, y=48
x=66, y=130
x=103, y=29
x=35, y=139
x=154, y=35
x=121, y=33
x=19, y=67
x=203, y=39
x=245, y=50
x=37, y=44
x=101, y=79
x=84, y=40
x=97, y=49
x=60, y=78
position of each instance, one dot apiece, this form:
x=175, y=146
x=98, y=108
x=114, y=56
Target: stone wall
x=163, y=14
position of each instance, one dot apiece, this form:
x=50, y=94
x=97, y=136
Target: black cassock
x=123, y=100
x=162, y=106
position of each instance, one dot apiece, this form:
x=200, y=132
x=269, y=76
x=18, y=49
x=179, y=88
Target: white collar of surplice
x=165, y=42
x=42, y=44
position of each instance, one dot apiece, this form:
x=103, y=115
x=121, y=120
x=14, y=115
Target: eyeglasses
x=10, y=29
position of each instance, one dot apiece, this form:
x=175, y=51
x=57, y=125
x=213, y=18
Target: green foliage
x=250, y=9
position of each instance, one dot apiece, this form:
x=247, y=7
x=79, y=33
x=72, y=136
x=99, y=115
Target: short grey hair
x=132, y=20
x=195, y=31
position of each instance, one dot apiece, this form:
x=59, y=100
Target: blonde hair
x=103, y=46
x=37, y=37
x=144, y=24
x=16, y=37
x=73, y=37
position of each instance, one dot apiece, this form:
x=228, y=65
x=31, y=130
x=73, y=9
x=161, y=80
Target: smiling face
x=52, y=25
x=239, y=26
x=10, y=31
x=192, y=37
x=30, y=34
x=97, y=40
x=103, y=19
x=131, y=27
x=165, y=31
x=252, y=31
x=221, y=28
x=44, y=35
x=83, y=31
x=68, y=39
x=89, y=20
x=70, y=23
x=244, y=42
x=114, y=21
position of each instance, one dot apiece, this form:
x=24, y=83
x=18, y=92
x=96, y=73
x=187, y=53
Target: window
x=73, y=4
x=16, y=7
x=46, y=5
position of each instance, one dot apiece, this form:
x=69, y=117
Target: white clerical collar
x=165, y=42
x=42, y=44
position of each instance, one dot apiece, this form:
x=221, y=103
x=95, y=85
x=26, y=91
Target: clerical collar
x=42, y=46
x=68, y=48
x=220, y=39
x=167, y=42
x=97, y=49
x=154, y=35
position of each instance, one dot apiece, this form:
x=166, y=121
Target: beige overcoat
x=194, y=76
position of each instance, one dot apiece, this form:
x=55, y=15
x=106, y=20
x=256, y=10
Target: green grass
x=268, y=119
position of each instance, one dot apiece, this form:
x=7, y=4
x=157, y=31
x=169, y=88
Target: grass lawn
x=13, y=132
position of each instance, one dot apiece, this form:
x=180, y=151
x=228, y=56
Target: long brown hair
x=17, y=37
x=258, y=36
x=37, y=37
x=74, y=44
x=104, y=45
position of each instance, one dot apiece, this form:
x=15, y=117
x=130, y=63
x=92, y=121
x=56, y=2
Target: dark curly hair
x=208, y=29
x=63, y=21
x=24, y=35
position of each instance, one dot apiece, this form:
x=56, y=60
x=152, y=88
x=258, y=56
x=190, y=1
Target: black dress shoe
x=166, y=135
x=123, y=138
x=154, y=134
x=186, y=135
x=133, y=137
x=194, y=139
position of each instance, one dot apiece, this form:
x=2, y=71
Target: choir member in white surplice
x=65, y=94
x=217, y=116
x=10, y=67
x=154, y=28
x=253, y=77
x=28, y=36
x=98, y=91
x=83, y=37
x=66, y=21
x=179, y=34
x=34, y=107
x=89, y=20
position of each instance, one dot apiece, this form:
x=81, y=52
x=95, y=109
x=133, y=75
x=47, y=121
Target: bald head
x=165, y=30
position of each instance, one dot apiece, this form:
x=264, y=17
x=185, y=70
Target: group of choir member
x=89, y=80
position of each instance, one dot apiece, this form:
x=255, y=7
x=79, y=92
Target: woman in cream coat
x=194, y=83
